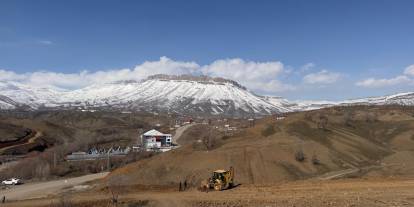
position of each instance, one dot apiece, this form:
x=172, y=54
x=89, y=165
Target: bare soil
x=349, y=192
x=373, y=142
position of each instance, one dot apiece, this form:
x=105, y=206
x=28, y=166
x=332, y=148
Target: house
x=280, y=117
x=95, y=154
x=154, y=139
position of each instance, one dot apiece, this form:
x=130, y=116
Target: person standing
x=185, y=185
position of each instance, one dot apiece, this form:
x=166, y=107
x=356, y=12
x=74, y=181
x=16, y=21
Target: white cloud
x=273, y=86
x=384, y=82
x=307, y=67
x=85, y=78
x=321, y=77
x=165, y=66
x=257, y=76
x=6, y=75
x=378, y=83
x=409, y=70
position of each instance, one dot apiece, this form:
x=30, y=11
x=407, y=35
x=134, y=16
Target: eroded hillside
x=366, y=141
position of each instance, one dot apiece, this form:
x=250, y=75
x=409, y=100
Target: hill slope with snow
x=406, y=99
x=179, y=94
x=176, y=94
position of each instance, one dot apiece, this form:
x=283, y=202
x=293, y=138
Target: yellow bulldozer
x=220, y=180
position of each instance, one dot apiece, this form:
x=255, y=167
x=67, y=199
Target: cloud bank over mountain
x=406, y=78
x=265, y=77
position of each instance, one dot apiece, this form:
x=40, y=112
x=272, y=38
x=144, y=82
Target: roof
x=154, y=132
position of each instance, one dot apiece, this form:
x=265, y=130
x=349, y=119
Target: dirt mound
x=331, y=140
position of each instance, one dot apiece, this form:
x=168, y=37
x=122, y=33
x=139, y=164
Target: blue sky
x=297, y=49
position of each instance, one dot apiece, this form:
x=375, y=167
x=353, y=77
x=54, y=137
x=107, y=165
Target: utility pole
x=108, y=163
x=54, y=159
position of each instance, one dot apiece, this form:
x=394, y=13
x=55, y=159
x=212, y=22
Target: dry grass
x=261, y=159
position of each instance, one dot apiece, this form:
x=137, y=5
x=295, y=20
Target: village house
x=155, y=140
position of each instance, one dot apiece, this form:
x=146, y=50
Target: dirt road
x=32, y=139
x=338, y=174
x=43, y=189
x=179, y=131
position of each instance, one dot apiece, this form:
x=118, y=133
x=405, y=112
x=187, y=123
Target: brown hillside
x=376, y=141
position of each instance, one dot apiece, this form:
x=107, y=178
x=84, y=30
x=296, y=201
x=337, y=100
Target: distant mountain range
x=184, y=94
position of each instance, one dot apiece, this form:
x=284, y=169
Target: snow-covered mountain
x=399, y=99
x=7, y=103
x=21, y=95
x=176, y=94
x=180, y=94
x=406, y=99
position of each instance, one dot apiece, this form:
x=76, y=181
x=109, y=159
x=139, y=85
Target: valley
x=206, y=103
x=352, y=156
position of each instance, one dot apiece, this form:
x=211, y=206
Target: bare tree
x=308, y=116
x=209, y=140
x=268, y=130
x=42, y=170
x=64, y=201
x=323, y=121
x=348, y=118
x=115, y=187
x=371, y=117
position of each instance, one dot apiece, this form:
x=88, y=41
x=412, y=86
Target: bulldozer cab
x=219, y=174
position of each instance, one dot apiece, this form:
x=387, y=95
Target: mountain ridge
x=184, y=94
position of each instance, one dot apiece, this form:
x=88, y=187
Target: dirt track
x=43, y=189
x=32, y=139
x=180, y=131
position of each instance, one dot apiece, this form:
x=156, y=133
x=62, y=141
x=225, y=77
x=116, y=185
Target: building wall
x=151, y=142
